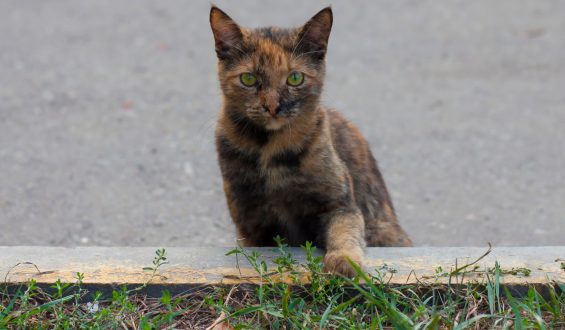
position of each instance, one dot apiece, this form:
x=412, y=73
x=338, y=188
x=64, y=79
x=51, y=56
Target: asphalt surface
x=107, y=113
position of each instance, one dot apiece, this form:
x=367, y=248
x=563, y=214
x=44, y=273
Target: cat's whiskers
x=245, y=123
x=307, y=53
x=299, y=41
x=234, y=46
x=289, y=131
x=205, y=127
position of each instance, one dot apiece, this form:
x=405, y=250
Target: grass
x=326, y=302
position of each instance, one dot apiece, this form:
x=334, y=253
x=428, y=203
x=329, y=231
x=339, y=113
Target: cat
x=290, y=166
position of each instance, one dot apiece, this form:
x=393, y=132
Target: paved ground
x=107, y=111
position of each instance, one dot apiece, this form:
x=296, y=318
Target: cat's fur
x=290, y=166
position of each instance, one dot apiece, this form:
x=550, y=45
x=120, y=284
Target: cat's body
x=291, y=167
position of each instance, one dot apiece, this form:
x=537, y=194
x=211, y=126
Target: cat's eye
x=295, y=79
x=248, y=79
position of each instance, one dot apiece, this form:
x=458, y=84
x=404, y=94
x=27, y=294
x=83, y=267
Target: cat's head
x=271, y=75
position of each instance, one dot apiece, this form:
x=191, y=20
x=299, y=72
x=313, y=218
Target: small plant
x=159, y=260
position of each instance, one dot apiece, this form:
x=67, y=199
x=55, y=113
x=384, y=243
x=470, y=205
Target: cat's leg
x=245, y=216
x=345, y=239
x=256, y=229
x=389, y=234
x=254, y=226
x=244, y=239
x=384, y=229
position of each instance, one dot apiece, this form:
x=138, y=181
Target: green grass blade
x=246, y=310
x=285, y=300
x=48, y=305
x=343, y=305
x=399, y=320
x=497, y=286
x=5, y=312
x=467, y=324
x=490, y=296
x=518, y=323
x=327, y=312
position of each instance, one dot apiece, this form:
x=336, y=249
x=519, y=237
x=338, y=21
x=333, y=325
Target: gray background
x=107, y=112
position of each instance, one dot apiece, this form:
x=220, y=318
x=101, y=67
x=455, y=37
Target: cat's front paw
x=337, y=261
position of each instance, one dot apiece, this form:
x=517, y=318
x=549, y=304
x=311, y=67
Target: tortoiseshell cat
x=290, y=166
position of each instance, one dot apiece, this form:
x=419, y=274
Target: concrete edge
x=108, y=267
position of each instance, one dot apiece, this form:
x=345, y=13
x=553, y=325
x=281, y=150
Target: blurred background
x=108, y=107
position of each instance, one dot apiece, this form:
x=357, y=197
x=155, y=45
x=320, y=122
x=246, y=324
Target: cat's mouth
x=275, y=123
x=268, y=121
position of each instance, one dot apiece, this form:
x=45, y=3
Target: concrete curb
x=108, y=267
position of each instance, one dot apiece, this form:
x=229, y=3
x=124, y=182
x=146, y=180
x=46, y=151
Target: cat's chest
x=276, y=191
x=279, y=180
x=293, y=195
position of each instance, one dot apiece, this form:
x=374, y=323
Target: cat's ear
x=314, y=35
x=227, y=34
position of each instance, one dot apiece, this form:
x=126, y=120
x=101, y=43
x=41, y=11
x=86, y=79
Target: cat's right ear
x=314, y=35
x=227, y=34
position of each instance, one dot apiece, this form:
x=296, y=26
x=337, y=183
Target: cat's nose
x=272, y=102
x=272, y=109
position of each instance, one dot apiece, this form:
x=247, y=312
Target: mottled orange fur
x=290, y=166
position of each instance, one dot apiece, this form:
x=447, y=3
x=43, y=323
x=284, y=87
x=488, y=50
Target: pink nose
x=272, y=103
x=272, y=110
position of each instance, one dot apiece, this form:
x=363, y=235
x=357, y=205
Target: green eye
x=248, y=79
x=295, y=78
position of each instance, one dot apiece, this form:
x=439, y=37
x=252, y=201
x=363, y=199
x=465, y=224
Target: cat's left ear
x=227, y=34
x=313, y=38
